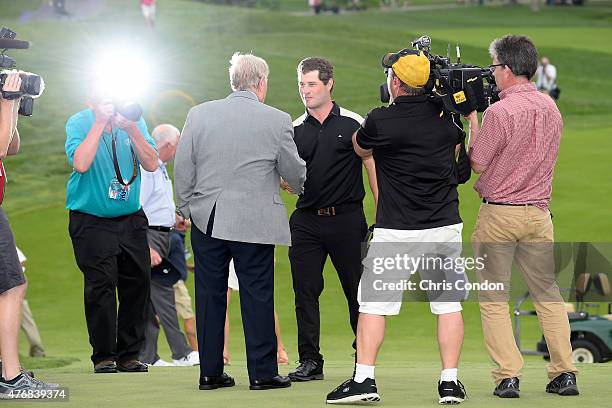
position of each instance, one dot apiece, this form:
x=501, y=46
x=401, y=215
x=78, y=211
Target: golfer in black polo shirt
x=414, y=146
x=329, y=218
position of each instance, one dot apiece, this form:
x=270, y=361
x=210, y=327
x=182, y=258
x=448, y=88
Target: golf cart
x=591, y=333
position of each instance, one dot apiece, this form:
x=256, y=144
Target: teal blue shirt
x=89, y=192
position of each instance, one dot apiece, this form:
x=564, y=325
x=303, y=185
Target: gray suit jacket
x=231, y=154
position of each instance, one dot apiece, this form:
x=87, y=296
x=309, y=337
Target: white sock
x=449, y=374
x=362, y=372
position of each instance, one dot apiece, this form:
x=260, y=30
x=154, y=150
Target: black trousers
x=313, y=238
x=114, y=257
x=254, y=265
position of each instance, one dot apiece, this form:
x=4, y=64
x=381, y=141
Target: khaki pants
x=183, y=301
x=28, y=325
x=523, y=234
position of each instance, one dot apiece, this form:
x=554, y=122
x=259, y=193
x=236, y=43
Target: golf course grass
x=189, y=53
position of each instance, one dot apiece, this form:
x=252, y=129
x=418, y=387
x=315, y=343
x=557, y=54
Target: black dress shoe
x=105, y=367
x=508, y=388
x=220, y=381
x=564, y=384
x=271, y=383
x=307, y=370
x=132, y=366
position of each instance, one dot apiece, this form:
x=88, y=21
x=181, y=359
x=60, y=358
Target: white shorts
x=448, y=234
x=148, y=11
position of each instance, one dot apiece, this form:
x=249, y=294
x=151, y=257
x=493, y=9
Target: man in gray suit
x=228, y=165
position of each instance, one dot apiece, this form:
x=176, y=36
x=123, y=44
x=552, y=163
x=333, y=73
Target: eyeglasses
x=492, y=67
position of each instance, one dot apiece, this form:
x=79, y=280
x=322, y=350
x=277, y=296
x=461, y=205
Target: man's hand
x=155, y=257
x=472, y=117
x=12, y=83
x=104, y=112
x=181, y=224
x=122, y=122
x=285, y=186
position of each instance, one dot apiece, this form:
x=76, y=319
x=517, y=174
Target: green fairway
x=190, y=50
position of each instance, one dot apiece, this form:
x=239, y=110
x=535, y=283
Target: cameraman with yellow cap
x=413, y=144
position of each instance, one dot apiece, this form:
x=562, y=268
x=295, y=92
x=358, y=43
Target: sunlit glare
x=122, y=75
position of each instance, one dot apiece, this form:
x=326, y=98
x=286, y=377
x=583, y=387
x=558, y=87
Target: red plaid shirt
x=518, y=142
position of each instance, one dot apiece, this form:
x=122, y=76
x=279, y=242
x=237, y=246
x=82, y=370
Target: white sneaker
x=162, y=363
x=191, y=359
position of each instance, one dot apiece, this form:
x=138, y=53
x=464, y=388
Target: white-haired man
x=157, y=200
x=227, y=171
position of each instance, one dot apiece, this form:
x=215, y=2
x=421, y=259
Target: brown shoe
x=132, y=366
x=105, y=367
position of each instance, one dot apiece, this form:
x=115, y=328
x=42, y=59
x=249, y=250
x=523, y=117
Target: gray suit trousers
x=163, y=305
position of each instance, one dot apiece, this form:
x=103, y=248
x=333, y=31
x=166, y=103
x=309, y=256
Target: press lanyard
x=116, y=162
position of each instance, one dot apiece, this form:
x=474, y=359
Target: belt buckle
x=327, y=212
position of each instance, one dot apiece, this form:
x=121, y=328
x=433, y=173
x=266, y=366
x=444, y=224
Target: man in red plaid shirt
x=515, y=151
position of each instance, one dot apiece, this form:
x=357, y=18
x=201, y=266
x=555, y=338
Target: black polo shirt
x=414, y=149
x=333, y=169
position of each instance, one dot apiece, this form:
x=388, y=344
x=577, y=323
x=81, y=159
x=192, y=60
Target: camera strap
x=116, y=163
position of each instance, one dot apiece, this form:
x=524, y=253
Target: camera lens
x=30, y=85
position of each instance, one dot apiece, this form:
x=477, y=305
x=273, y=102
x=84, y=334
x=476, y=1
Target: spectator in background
x=546, y=76
x=28, y=325
x=156, y=198
x=315, y=6
x=59, y=7
x=177, y=259
x=148, y=12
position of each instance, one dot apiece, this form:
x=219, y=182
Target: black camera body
x=459, y=88
x=128, y=109
x=32, y=85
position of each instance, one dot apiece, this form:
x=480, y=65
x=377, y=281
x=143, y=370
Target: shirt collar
x=334, y=112
x=410, y=99
x=529, y=87
x=244, y=94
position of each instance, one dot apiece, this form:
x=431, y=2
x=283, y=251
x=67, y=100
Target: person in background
x=148, y=9
x=28, y=325
x=156, y=198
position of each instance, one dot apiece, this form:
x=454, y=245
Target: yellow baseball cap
x=410, y=66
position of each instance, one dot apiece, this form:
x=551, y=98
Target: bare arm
x=363, y=153
x=472, y=119
x=370, y=166
x=8, y=118
x=13, y=148
x=86, y=152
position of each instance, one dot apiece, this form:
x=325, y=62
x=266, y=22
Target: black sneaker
x=564, y=384
x=307, y=370
x=508, y=388
x=451, y=392
x=351, y=392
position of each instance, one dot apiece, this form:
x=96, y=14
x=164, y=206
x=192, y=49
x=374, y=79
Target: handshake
x=285, y=186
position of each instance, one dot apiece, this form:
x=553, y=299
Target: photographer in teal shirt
x=108, y=229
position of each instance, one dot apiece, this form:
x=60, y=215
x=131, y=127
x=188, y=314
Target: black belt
x=484, y=200
x=162, y=229
x=335, y=210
